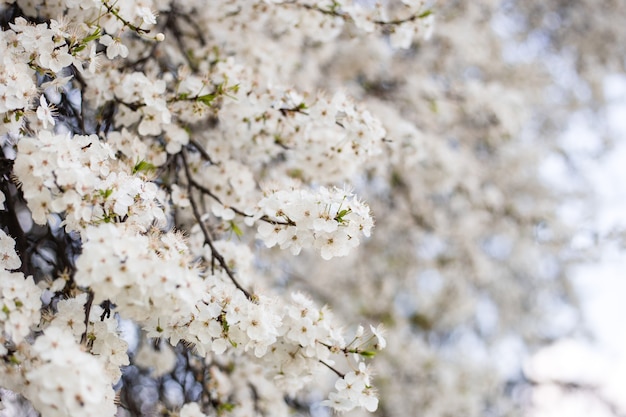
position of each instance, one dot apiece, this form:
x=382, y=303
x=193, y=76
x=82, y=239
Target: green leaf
x=339, y=216
x=235, y=229
x=224, y=323
x=225, y=407
x=143, y=166
x=97, y=34
x=106, y=193
x=206, y=99
x=425, y=14
x=367, y=353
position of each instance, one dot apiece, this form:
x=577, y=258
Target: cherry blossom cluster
x=55, y=373
x=136, y=87
x=403, y=23
x=296, y=367
x=163, y=290
x=20, y=307
x=111, y=131
x=101, y=334
x=64, y=380
x=146, y=275
x=20, y=304
x=231, y=183
x=47, y=47
x=327, y=139
x=331, y=220
x=79, y=177
x=325, y=20
x=151, y=280
x=112, y=16
x=50, y=47
x=353, y=390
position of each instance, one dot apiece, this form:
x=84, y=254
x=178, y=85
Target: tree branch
x=207, y=236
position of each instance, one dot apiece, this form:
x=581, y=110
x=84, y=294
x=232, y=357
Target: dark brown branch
x=78, y=116
x=9, y=218
x=115, y=12
x=204, y=190
x=287, y=111
x=336, y=12
x=187, y=19
x=202, y=151
x=140, y=62
x=401, y=21
x=90, y=296
x=211, y=194
x=332, y=369
x=172, y=24
x=207, y=236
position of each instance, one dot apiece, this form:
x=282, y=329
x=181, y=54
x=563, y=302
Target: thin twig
x=343, y=15
x=202, y=151
x=115, y=12
x=204, y=190
x=172, y=24
x=90, y=297
x=332, y=369
x=207, y=236
x=211, y=194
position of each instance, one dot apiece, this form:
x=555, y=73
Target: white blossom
x=331, y=220
x=69, y=381
x=9, y=258
x=19, y=304
x=45, y=112
x=114, y=47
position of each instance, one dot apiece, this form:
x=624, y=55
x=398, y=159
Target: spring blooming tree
x=188, y=192
x=142, y=160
